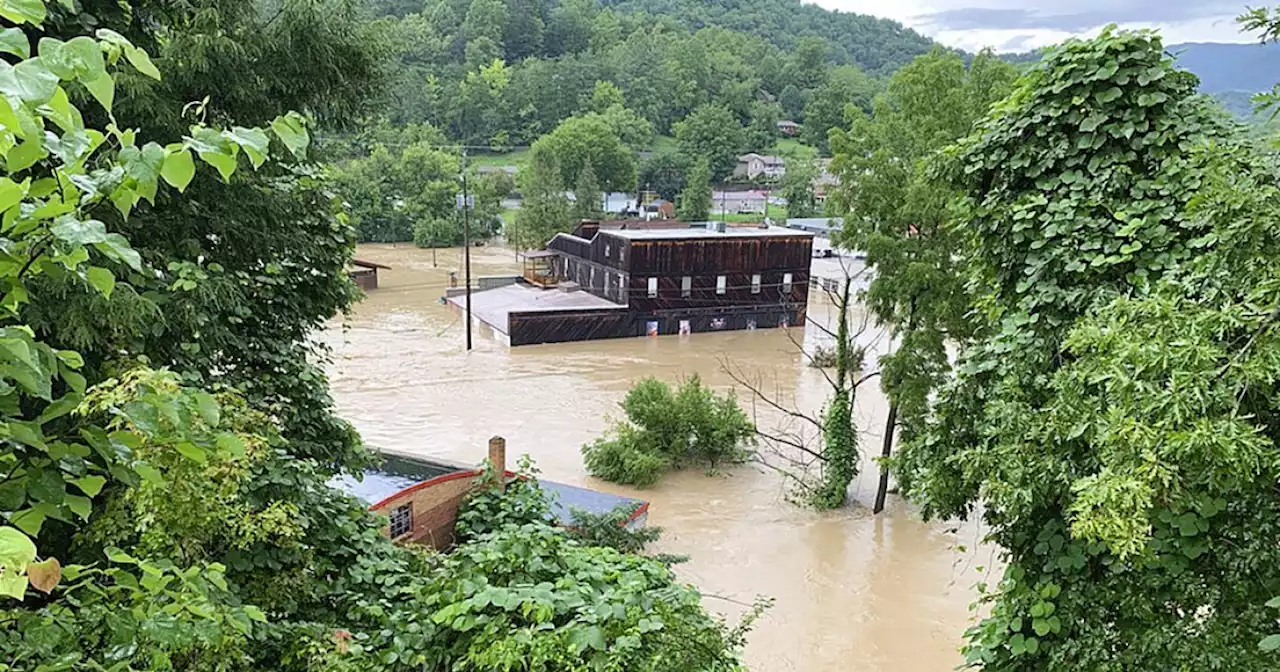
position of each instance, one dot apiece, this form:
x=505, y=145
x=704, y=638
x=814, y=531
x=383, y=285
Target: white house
x=755, y=165
x=739, y=202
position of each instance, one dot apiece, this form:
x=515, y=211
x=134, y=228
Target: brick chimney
x=498, y=458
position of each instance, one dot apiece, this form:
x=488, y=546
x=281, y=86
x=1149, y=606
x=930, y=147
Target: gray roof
x=681, y=234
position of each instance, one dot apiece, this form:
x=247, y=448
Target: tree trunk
x=889, y=427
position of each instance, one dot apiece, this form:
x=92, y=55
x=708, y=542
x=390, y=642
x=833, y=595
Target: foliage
x=898, y=214
x=668, y=429
x=531, y=598
x=839, y=433
x=396, y=188
x=612, y=529
x=582, y=142
x=1111, y=411
x=694, y=204
x=712, y=134
x=544, y=210
x=798, y=188
x=664, y=174
x=845, y=86
x=489, y=508
x=587, y=197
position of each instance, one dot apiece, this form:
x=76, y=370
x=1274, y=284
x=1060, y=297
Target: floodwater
x=853, y=591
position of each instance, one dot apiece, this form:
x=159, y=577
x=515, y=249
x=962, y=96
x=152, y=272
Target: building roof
x=703, y=233
x=768, y=159
x=752, y=194
x=368, y=264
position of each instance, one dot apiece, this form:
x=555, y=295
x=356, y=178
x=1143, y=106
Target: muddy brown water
x=853, y=591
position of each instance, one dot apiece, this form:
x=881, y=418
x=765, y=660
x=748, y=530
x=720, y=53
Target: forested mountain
x=877, y=45
x=1230, y=67
x=505, y=72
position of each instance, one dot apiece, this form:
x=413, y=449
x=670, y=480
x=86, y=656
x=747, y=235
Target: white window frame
x=722, y=284
x=401, y=520
x=756, y=281
x=686, y=286
x=786, y=283
x=653, y=288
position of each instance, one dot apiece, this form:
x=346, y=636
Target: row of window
x=722, y=285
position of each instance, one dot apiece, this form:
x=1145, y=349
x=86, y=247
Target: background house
x=788, y=128
x=751, y=201
x=753, y=166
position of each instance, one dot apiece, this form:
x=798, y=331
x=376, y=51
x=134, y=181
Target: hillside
x=876, y=45
x=1230, y=67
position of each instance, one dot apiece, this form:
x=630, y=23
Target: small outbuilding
x=365, y=273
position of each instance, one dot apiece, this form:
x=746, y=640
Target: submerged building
x=629, y=278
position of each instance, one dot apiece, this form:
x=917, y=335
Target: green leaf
x=90, y=485
x=23, y=11
x=1092, y=123
x=230, y=444
x=293, y=133
x=255, y=613
x=81, y=506
x=192, y=452
x=225, y=163
x=1270, y=643
x=1033, y=645
x=36, y=83
x=13, y=585
x=149, y=473
x=208, y=408
x=140, y=60
x=102, y=88
x=29, y=521
x=46, y=485
x=254, y=141
x=27, y=433
x=116, y=248
x=76, y=232
x=24, y=156
x=16, y=549
x=14, y=41
x=12, y=193
x=178, y=169
x=118, y=556
x=101, y=279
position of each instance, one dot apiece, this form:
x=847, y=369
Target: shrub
x=669, y=429
x=488, y=509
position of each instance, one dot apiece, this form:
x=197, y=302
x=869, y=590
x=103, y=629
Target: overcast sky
x=1020, y=25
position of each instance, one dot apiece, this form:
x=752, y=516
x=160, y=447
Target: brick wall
x=435, y=508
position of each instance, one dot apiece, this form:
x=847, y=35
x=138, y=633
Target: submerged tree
x=694, y=203
x=1113, y=413
x=899, y=216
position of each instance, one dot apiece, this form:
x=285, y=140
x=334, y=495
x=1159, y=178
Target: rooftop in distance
x=708, y=231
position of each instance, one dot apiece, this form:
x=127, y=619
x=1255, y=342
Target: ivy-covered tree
x=898, y=214
x=1112, y=413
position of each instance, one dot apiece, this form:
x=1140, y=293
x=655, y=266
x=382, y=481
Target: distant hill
x=876, y=45
x=1231, y=67
x=1239, y=70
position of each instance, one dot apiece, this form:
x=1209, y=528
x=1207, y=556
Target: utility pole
x=466, y=241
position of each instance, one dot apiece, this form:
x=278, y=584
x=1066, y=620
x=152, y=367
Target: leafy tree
x=713, y=134
x=587, y=197
x=669, y=429
x=761, y=132
x=604, y=96
x=581, y=141
x=695, y=199
x=395, y=188
x=825, y=110
x=798, y=188
x=899, y=215
x=1108, y=410
x=663, y=173
x=544, y=210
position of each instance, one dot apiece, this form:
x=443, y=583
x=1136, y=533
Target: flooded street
x=853, y=591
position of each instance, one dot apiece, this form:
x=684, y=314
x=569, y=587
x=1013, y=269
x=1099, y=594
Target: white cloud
x=1020, y=25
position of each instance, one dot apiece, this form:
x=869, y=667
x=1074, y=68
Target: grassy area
x=790, y=147
x=777, y=213
x=663, y=144
x=515, y=158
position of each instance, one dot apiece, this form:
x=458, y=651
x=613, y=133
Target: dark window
x=401, y=520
